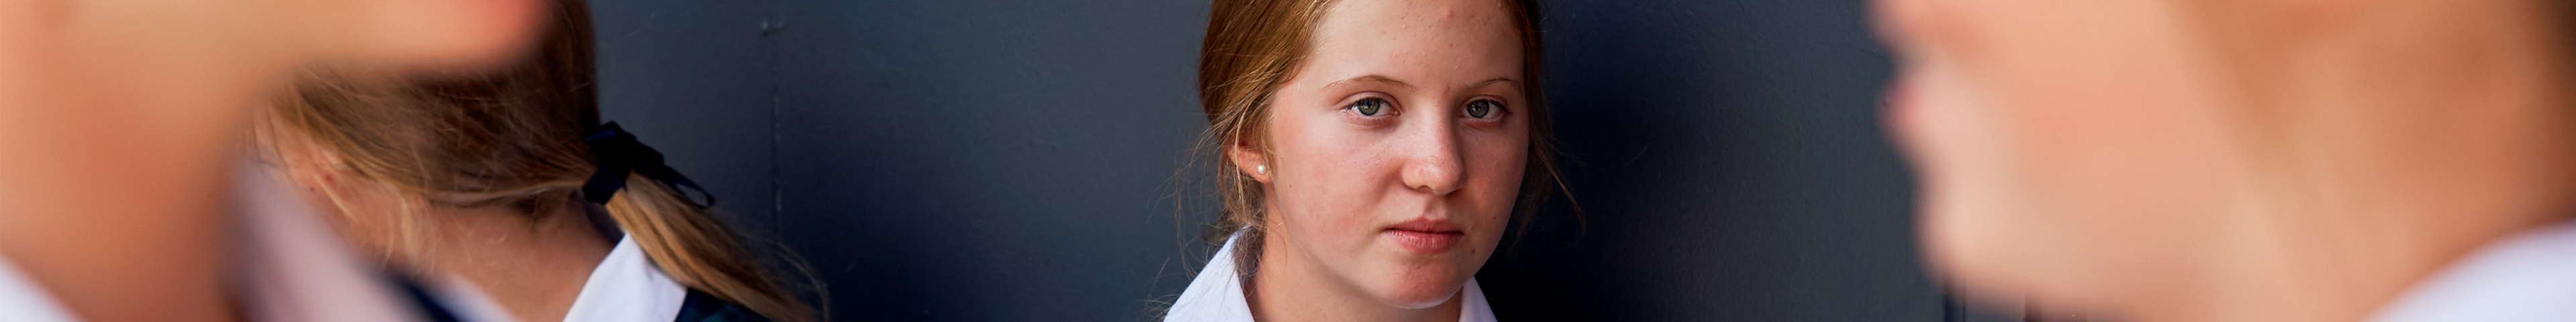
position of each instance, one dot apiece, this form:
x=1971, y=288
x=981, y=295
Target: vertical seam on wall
x=769, y=27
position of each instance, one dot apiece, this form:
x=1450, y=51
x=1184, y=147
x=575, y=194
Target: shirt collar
x=1217, y=294
x=287, y=261
x=627, y=287
x=22, y=300
x=2528, y=277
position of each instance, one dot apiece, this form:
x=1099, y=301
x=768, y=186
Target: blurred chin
x=446, y=36
x=1995, y=258
x=1967, y=250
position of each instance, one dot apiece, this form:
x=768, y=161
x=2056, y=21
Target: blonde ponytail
x=694, y=249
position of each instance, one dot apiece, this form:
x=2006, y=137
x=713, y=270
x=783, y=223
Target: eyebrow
x=1391, y=81
x=1370, y=79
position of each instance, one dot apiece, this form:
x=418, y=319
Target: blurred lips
x=1424, y=235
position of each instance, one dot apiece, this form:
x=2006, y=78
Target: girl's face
x=1396, y=148
x=2058, y=144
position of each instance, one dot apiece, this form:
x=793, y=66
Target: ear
x=1249, y=159
x=311, y=166
x=297, y=157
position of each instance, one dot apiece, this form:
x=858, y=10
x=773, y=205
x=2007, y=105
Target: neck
x=532, y=269
x=2339, y=275
x=2344, y=236
x=1289, y=287
x=2400, y=171
x=2321, y=279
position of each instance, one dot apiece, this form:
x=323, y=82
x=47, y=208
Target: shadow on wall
x=1730, y=162
x=985, y=160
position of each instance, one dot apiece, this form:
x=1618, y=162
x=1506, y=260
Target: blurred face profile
x=155, y=90
x=2056, y=157
x=1396, y=148
x=430, y=33
x=2109, y=154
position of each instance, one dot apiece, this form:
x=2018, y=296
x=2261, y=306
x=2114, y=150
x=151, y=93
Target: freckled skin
x=1338, y=179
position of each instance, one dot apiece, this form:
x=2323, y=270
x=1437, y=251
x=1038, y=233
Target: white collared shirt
x=23, y=300
x=628, y=287
x=625, y=287
x=291, y=266
x=2528, y=277
x=1217, y=294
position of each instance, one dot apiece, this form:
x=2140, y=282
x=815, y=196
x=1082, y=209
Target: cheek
x=1495, y=165
x=1328, y=178
x=2091, y=156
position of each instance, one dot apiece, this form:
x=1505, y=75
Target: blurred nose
x=1910, y=26
x=1431, y=162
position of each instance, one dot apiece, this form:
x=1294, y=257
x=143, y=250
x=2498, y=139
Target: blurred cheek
x=2002, y=180
x=2077, y=161
x=2046, y=135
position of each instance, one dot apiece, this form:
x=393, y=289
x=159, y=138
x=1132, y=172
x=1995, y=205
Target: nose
x=1916, y=27
x=1432, y=158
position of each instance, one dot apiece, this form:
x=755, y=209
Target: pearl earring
x=1262, y=169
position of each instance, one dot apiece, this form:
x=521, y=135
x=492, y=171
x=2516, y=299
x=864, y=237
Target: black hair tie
x=618, y=153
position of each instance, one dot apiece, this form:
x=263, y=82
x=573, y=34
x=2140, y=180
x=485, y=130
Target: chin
x=1964, y=250
x=1424, y=286
x=1423, y=296
x=1989, y=258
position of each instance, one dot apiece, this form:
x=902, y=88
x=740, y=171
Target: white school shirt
x=292, y=266
x=2530, y=276
x=1217, y=294
x=299, y=270
x=622, y=290
x=23, y=300
x=627, y=287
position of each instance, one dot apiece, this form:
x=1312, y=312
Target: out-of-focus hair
x=514, y=138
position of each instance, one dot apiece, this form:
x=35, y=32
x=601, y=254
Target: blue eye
x=1482, y=108
x=1369, y=106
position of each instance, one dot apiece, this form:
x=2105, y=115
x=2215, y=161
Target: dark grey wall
x=1016, y=160
x=1728, y=157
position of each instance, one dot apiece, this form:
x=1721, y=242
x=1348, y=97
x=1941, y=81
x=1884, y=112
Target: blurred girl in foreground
x=116, y=128
x=2266, y=160
x=508, y=183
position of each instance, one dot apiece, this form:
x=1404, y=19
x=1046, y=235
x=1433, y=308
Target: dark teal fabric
x=703, y=307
